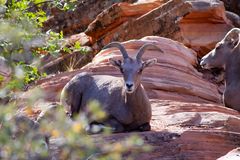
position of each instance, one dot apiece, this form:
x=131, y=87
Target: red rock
x=232, y=155
x=76, y=21
x=116, y=15
x=82, y=38
x=198, y=24
x=174, y=77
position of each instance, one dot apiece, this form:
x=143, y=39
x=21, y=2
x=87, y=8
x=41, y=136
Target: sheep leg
x=112, y=124
x=115, y=125
x=94, y=128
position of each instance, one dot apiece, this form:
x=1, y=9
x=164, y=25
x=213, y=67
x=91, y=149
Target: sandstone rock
x=174, y=77
x=116, y=15
x=187, y=131
x=185, y=115
x=82, y=38
x=66, y=62
x=198, y=24
x=183, y=130
x=77, y=21
x=232, y=155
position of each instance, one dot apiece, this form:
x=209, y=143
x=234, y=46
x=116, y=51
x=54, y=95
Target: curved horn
x=232, y=34
x=119, y=46
x=143, y=49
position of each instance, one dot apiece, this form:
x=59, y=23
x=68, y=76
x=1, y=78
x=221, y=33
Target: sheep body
x=226, y=55
x=123, y=99
x=108, y=91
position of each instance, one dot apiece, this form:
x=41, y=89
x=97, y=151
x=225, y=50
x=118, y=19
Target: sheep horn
x=232, y=34
x=143, y=49
x=119, y=46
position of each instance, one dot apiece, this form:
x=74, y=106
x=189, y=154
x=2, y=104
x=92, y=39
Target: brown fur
x=226, y=55
x=123, y=99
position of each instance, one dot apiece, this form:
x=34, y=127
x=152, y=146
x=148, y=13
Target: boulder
x=183, y=130
x=116, y=15
x=187, y=131
x=198, y=24
x=77, y=20
x=232, y=155
x=174, y=77
x=5, y=70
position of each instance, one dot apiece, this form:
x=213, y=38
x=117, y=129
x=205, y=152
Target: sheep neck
x=232, y=70
x=138, y=99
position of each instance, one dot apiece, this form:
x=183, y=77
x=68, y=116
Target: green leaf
x=77, y=45
x=1, y=78
x=3, y=2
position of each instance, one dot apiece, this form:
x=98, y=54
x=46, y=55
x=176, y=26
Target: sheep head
x=131, y=68
x=218, y=57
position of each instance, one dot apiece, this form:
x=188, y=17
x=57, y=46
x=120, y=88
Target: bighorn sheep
x=226, y=55
x=124, y=100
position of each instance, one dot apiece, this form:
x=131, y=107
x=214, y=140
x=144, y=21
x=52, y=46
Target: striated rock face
x=116, y=15
x=198, y=24
x=174, y=77
x=77, y=21
x=188, y=131
x=187, y=145
x=232, y=155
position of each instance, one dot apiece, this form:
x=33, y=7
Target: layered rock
x=174, y=77
x=76, y=21
x=116, y=15
x=233, y=155
x=198, y=24
x=185, y=131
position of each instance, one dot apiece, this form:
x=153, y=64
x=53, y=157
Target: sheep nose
x=129, y=85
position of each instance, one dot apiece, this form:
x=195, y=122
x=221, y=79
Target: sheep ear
x=149, y=63
x=116, y=63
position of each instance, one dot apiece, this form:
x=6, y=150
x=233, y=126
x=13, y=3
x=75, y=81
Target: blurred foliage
x=22, y=41
x=23, y=136
x=66, y=5
x=25, y=130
